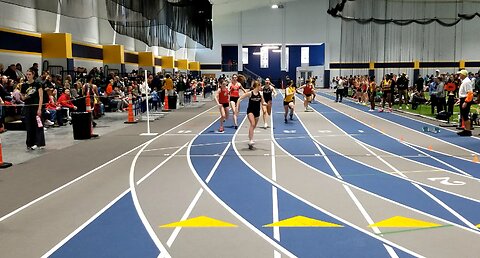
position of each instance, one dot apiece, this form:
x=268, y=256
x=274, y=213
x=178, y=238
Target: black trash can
x=81, y=123
x=172, y=102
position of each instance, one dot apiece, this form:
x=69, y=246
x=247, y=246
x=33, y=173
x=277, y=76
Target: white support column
x=240, y=46
x=283, y=60
x=59, y=15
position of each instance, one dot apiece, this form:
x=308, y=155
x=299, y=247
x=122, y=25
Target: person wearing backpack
x=155, y=99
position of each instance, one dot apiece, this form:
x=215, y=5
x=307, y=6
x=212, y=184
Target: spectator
x=65, y=102
x=34, y=69
x=11, y=72
x=2, y=69
x=402, y=86
x=168, y=85
x=339, y=91
x=465, y=94
x=51, y=107
x=19, y=71
x=32, y=95
x=155, y=99
x=16, y=95
x=181, y=88
x=440, y=94
x=432, y=90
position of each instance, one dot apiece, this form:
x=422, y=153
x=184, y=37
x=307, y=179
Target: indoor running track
x=335, y=182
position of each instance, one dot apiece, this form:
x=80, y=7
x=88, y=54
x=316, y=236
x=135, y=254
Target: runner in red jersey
x=234, y=89
x=222, y=98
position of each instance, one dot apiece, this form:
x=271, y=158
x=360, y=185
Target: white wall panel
x=89, y=64
x=24, y=59
x=16, y=17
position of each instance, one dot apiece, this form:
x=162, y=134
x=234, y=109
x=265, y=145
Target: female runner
x=253, y=110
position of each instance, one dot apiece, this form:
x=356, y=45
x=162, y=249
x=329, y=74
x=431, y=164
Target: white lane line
x=276, y=254
x=187, y=213
x=319, y=208
x=441, y=203
x=75, y=232
x=403, y=176
x=139, y=209
x=232, y=211
x=189, y=210
x=210, y=175
x=441, y=161
x=352, y=196
x=275, y=215
x=161, y=164
x=442, y=153
x=374, y=194
x=408, y=128
x=391, y=251
x=386, y=172
x=84, y=225
x=67, y=184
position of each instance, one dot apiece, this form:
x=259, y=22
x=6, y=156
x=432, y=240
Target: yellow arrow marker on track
x=199, y=222
x=478, y=226
x=404, y=222
x=301, y=221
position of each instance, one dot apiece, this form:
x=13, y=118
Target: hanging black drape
x=155, y=22
x=337, y=7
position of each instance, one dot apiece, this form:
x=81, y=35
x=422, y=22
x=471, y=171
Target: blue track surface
x=251, y=197
x=372, y=180
x=118, y=232
x=389, y=144
x=470, y=143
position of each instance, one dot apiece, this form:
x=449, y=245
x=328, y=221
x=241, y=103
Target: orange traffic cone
x=2, y=163
x=131, y=118
x=165, y=103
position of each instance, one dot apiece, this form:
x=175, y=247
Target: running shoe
x=465, y=133
x=220, y=129
x=291, y=116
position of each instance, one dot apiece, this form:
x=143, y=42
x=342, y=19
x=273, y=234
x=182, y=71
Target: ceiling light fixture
x=277, y=6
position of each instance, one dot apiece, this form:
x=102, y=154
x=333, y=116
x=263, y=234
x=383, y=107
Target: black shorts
x=256, y=113
x=464, y=112
x=285, y=103
x=308, y=95
x=234, y=99
x=225, y=105
x=267, y=99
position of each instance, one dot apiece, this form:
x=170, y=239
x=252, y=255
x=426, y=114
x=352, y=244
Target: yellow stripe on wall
x=113, y=54
x=57, y=45
x=182, y=64
x=167, y=62
x=146, y=59
x=194, y=66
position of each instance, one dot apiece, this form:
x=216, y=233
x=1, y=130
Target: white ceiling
x=224, y=7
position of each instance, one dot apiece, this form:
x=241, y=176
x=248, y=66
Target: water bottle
x=39, y=122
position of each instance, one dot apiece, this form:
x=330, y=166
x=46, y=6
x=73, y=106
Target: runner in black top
x=253, y=110
x=268, y=89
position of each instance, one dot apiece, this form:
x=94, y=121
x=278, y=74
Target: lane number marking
x=445, y=181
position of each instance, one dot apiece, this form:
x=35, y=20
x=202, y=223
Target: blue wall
x=316, y=56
